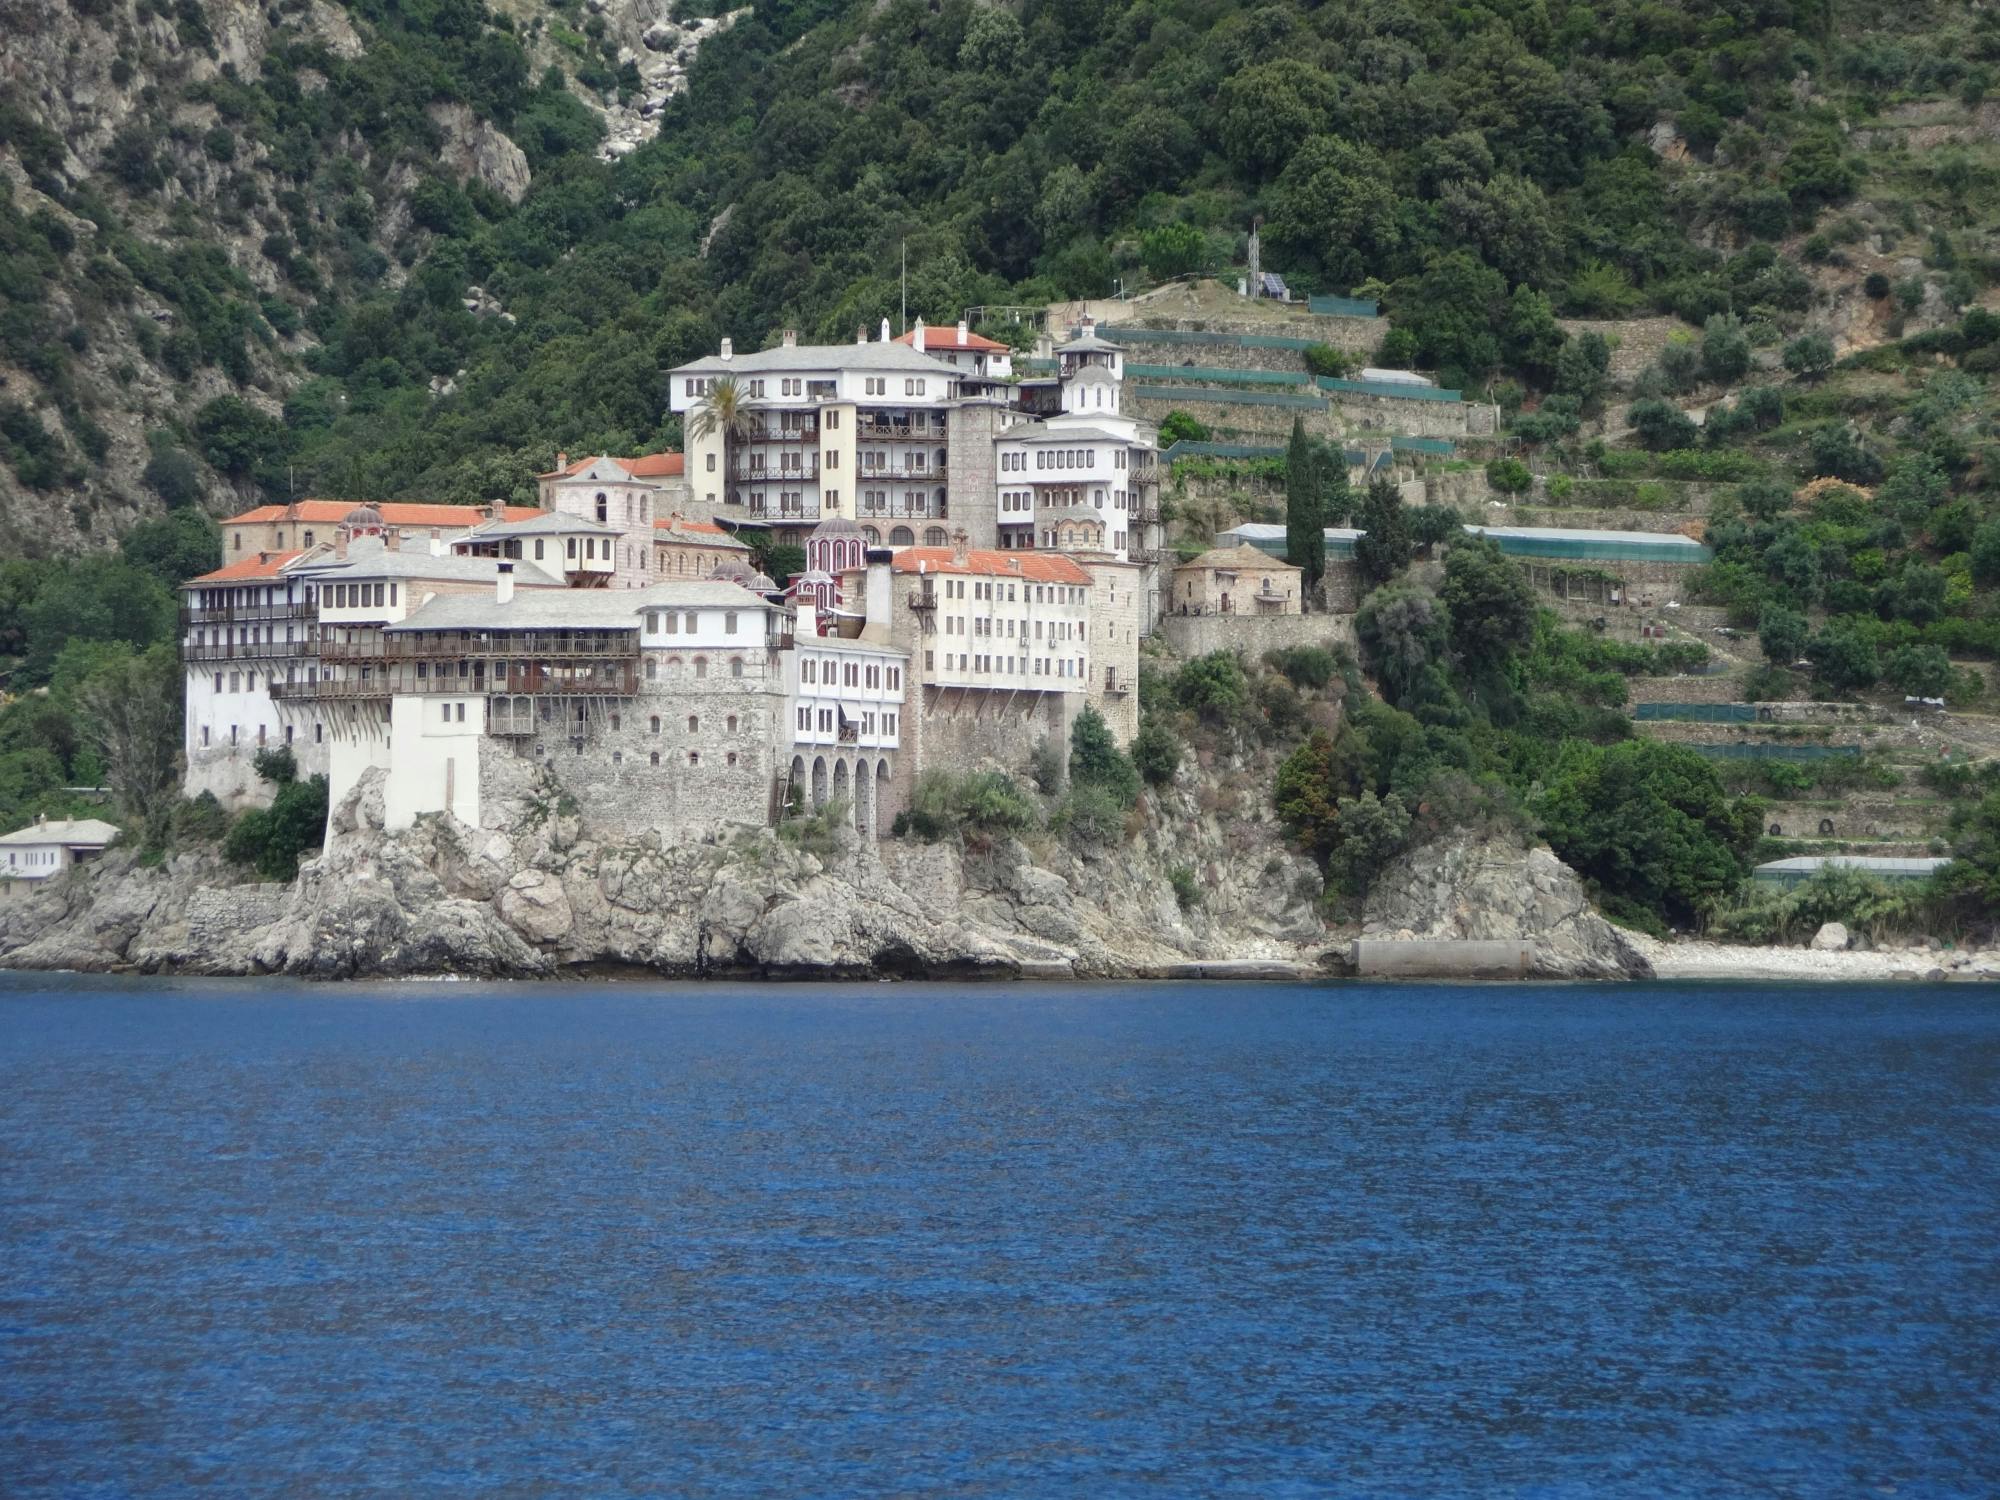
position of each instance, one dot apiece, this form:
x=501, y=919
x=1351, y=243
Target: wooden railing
x=245, y=650
x=245, y=614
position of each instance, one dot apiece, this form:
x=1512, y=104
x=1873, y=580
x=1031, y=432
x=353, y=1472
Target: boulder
x=1463, y=889
x=1832, y=938
x=535, y=905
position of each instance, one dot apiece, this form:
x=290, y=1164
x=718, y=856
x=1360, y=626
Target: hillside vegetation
x=382, y=248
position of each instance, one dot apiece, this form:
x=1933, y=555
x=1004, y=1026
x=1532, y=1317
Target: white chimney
x=860, y=333
x=885, y=330
x=503, y=583
x=791, y=338
x=917, y=340
x=729, y=349
x=805, y=617
x=562, y=460
x=876, y=602
x=437, y=542
x=963, y=330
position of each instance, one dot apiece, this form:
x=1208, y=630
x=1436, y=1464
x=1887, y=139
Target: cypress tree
x=1305, y=534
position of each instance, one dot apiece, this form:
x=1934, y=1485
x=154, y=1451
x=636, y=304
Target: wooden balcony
x=514, y=678
x=258, y=614
x=246, y=650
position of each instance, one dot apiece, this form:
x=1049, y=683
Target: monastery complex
x=982, y=560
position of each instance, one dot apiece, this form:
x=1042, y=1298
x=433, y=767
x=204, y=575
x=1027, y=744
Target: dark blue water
x=1007, y=1241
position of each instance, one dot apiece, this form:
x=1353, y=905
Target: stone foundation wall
x=962, y=730
x=615, y=782
x=218, y=915
x=1253, y=635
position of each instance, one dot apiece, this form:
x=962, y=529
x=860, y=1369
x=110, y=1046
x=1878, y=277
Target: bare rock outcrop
x=1463, y=889
x=536, y=892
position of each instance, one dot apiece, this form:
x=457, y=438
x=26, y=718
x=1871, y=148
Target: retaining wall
x=1253, y=635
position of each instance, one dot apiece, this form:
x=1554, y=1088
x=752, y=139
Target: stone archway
x=864, y=800
x=819, y=783
x=798, y=784
x=839, y=781
x=880, y=799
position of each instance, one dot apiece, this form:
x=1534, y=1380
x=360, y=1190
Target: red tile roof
x=646, y=466
x=1040, y=567
x=948, y=338
x=245, y=569
x=394, y=513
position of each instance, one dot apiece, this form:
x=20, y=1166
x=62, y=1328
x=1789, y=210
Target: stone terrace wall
x=1253, y=635
x=1722, y=687
x=1635, y=342
x=1419, y=418
x=1353, y=335
x=1232, y=420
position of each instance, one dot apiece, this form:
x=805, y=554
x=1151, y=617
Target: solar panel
x=1274, y=286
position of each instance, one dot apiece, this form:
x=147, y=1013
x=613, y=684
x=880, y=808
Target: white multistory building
x=858, y=430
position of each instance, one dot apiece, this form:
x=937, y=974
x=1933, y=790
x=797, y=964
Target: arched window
x=701, y=666
x=735, y=666
x=902, y=536
x=871, y=536
x=652, y=669
x=654, y=724
x=694, y=723
x=934, y=536
x=603, y=507
x=656, y=757
x=731, y=722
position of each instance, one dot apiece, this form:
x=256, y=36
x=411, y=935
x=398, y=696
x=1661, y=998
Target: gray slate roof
x=1042, y=432
x=575, y=609
x=549, y=523
x=368, y=558
x=64, y=831
x=820, y=358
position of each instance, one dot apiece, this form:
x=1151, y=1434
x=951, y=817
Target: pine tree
x=1305, y=533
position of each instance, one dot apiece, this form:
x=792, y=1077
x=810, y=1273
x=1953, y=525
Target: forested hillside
x=411, y=248
x=257, y=248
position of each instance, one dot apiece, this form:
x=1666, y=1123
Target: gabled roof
x=936, y=339
x=810, y=358
x=1036, y=567
x=368, y=558
x=542, y=523
x=64, y=831
x=246, y=569
x=578, y=609
x=394, y=513
x=1045, y=432
x=645, y=466
x=1244, y=557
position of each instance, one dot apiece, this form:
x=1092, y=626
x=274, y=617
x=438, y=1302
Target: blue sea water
x=1203, y=1240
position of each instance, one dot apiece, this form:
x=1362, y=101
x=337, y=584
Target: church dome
x=363, y=514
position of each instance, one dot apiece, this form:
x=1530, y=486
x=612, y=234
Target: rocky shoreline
x=533, y=895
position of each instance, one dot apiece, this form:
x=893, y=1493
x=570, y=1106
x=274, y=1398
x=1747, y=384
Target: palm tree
x=725, y=412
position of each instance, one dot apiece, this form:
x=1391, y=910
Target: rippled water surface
x=1005, y=1241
